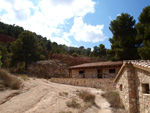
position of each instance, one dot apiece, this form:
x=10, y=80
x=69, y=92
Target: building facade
x=95, y=70
x=133, y=85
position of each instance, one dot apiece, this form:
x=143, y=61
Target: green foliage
x=102, y=51
x=26, y=49
x=10, y=30
x=75, y=54
x=96, y=51
x=6, y=57
x=143, y=34
x=123, y=40
x=144, y=51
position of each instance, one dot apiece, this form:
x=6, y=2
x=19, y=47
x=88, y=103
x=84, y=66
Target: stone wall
x=122, y=88
x=104, y=84
x=129, y=86
x=143, y=100
x=92, y=73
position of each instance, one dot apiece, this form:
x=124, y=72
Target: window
x=112, y=71
x=120, y=87
x=81, y=72
x=145, y=88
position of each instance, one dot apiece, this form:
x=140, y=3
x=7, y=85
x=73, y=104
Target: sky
x=70, y=22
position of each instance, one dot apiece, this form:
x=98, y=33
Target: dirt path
x=43, y=96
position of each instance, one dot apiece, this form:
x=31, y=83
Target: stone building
x=133, y=85
x=96, y=70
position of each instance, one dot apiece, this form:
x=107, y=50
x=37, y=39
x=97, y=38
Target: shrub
x=73, y=104
x=87, y=96
x=9, y=80
x=75, y=54
x=114, y=99
x=24, y=77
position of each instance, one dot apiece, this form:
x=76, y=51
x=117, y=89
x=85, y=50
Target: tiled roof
x=98, y=64
x=143, y=63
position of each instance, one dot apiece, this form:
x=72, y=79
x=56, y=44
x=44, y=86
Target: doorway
x=99, y=73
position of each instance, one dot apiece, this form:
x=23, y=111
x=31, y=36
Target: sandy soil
x=43, y=96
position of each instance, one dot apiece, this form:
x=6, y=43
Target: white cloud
x=47, y=15
x=83, y=32
x=118, y=14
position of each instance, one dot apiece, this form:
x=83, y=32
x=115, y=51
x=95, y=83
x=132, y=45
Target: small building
x=96, y=70
x=133, y=85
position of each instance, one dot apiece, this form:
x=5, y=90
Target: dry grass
x=87, y=97
x=73, y=104
x=2, y=86
x=9, y=80
x=63, y=93
x=23, y=76
x=114, y=99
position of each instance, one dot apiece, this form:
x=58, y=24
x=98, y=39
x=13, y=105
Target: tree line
x=130, y=41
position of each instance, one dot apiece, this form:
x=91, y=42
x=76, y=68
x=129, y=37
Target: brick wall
x=104, y=84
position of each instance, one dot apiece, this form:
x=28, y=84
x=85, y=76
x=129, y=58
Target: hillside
x=5, y=39
x=71, y=61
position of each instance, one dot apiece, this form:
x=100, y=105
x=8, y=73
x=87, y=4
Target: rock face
x=48, y=69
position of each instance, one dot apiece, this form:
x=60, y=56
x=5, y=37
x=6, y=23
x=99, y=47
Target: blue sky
x=71, y=22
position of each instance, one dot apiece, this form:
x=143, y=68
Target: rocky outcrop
x=48, y=69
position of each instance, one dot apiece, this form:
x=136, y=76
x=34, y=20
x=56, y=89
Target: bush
x=114, y=99
x=9, y=80
x=75, y=54
x=73, y=104
x=87, y=96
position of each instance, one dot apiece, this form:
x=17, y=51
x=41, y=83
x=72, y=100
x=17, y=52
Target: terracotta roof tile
x=143, y=63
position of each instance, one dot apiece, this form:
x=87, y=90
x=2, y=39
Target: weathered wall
x=143, y=101
x=89, y=73
x=124, y=92
x=92, y=73
x=112, y=75
x=131, y=79
x=104, y=84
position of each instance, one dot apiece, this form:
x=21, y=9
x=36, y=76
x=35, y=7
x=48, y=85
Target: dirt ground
x=43, y=96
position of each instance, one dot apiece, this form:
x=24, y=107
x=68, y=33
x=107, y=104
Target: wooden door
x=99, y=73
